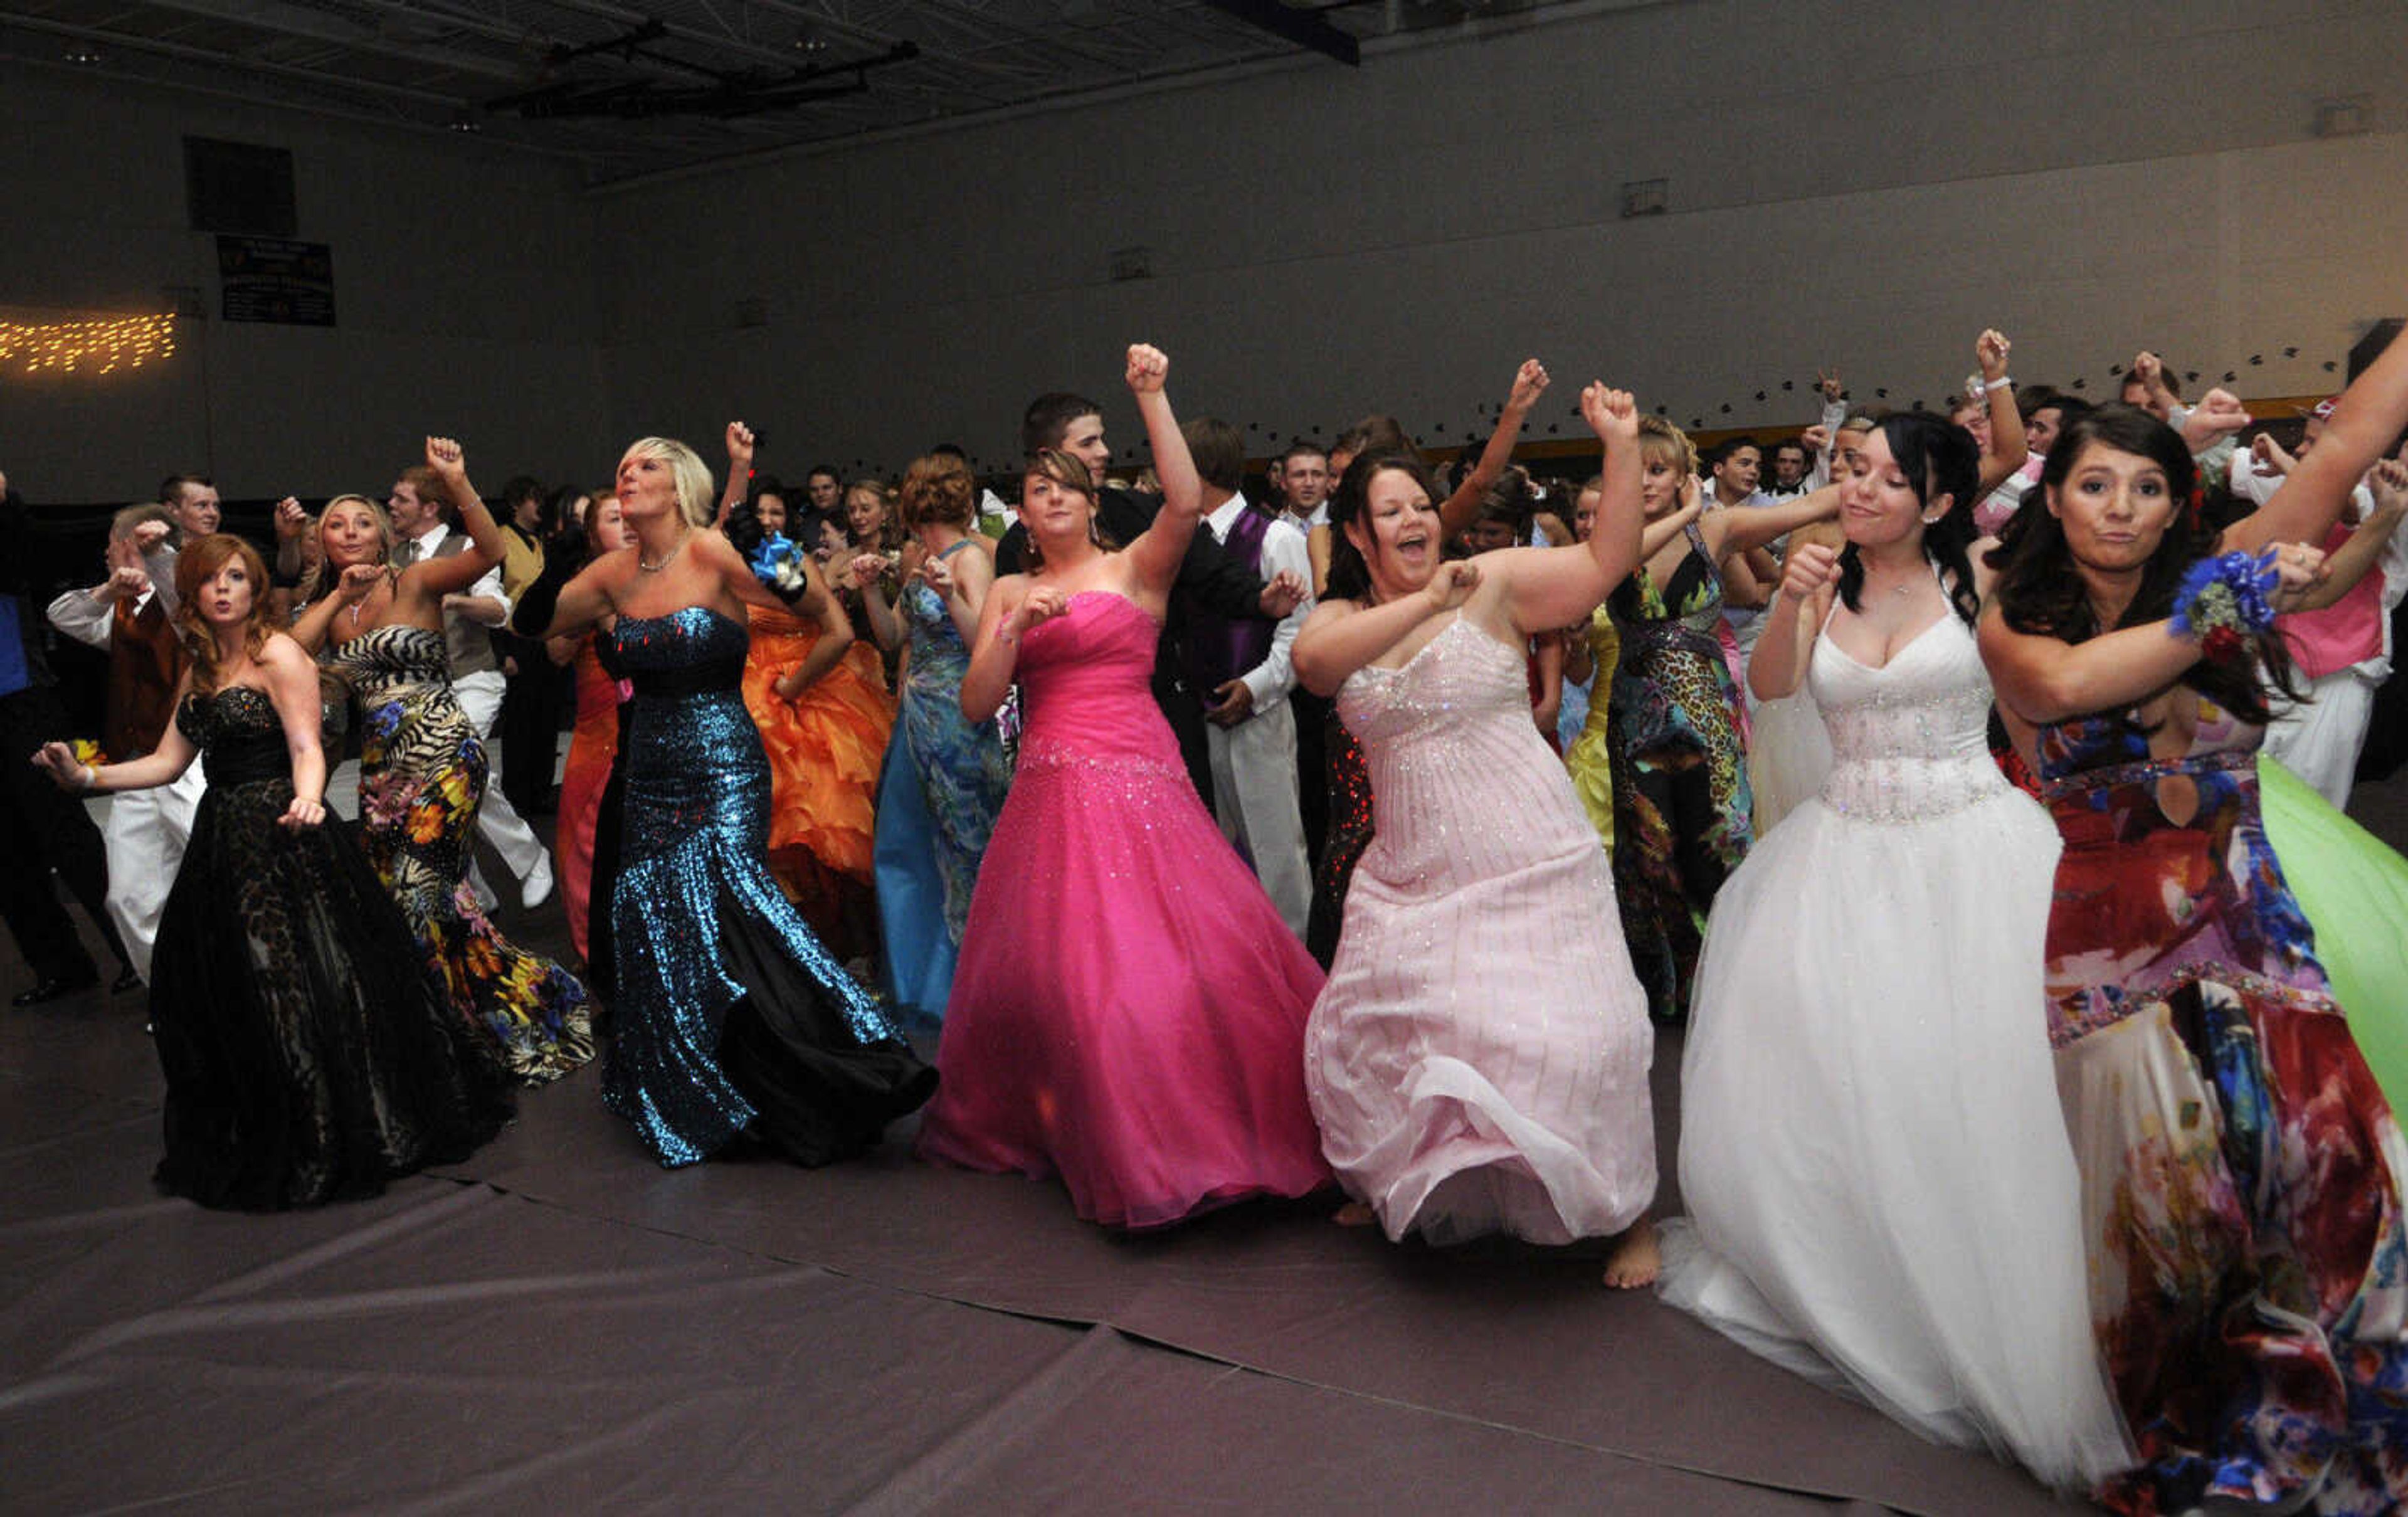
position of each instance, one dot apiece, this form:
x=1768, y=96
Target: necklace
x=645, y=565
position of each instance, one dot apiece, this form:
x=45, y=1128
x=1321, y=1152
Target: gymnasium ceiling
x=630, y=87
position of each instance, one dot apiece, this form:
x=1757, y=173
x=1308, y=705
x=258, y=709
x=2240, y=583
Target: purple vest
x=1219, y=648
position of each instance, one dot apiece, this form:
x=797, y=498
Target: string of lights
x=100, y=347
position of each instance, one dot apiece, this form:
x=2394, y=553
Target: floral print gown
x=423, y=773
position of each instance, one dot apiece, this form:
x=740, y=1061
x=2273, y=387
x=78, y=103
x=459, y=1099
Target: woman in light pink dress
x=1478, y=1061
x=1129, y=1009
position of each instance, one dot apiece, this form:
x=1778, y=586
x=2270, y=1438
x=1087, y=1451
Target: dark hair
x=1048, y=416
x=171, y=489
x=1349, y=577
x=1218, y=449
x=1799, y=443
x=2038, y=592
x=938, y=490
x=1720, y=453
x=1301, y=446
x=1938, y=458
x=1376, y=434
x=829, y=469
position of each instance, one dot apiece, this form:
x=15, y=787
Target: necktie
x=406, y=554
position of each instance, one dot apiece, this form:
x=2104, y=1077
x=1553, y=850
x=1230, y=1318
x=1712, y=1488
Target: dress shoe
x=538, y=886
x=54, y=987
x=126, y=984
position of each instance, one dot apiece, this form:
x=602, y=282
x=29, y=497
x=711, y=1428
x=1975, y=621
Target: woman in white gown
x=1881, y=1194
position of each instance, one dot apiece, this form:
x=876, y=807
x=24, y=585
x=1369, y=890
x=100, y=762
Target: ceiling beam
x=1306, y=29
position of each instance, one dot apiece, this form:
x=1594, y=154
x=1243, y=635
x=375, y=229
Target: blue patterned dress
x=731, y=1017
x=937, y=804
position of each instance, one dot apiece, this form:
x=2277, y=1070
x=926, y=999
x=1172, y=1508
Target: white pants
x=144, y=837
x=1253, y=792
x=2319, y=740
x=480, y=695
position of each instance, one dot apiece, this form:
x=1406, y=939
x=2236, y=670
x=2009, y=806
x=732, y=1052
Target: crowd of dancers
x=1356, y=843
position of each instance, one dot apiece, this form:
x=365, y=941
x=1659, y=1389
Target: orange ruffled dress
x=825, y=750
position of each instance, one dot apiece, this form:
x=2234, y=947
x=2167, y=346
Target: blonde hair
x=697, y=501
x=1661, y=443
x=317, y=580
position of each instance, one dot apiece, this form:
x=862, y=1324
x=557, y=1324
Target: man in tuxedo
x=1208, y=578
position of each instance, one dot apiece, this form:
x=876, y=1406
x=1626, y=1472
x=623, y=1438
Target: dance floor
x=559, y=1324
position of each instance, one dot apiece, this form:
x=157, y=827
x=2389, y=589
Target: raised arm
x=2371, y=412
x=1551, y=587
x=740, y=445
x=2345, y=566
x=1458, y=510
x=309, y=629
x=868, y=573
x=432, y=579
x=1156, y=552
x=2009, y=450
x=1834, y=411
x=800, y=587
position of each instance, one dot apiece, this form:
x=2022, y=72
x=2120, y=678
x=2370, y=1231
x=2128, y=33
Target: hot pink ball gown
x=1128, y=1010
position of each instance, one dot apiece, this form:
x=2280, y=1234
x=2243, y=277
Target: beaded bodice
x=1463, y=787
x=384, y=658
x=1910, y=739
x=1086, y=681
x=238, y=734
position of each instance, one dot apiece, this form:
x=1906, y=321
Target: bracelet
x=91, y=777
x=2002, y=383
x=1008, y=638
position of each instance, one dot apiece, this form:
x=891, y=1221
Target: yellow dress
x=1590, y=756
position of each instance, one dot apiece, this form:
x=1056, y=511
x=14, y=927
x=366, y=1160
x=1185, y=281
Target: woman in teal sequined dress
x=731, y=1020
x=945, y=775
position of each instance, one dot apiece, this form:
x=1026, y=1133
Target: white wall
x=464, y=287
x=1866, y=184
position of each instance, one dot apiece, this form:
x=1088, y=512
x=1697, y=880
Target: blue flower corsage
x=778, y=563
x=2223, y=601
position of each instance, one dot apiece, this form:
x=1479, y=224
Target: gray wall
x=465, y=292
x=1865, y=185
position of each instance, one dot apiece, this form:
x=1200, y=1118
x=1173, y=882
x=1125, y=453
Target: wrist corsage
x=2223, y=603
x=778, y=562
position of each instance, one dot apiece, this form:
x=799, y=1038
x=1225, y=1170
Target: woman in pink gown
x=1128, y=1010
x=1478, y=1063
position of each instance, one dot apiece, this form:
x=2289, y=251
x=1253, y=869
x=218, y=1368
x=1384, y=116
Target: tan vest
x=469, y=642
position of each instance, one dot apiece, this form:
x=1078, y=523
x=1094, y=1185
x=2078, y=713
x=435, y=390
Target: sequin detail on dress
x=730, y=1015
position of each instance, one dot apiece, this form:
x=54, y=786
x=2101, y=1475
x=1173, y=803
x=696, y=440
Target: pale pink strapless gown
x=1129, y=1009
x=1478, y=1061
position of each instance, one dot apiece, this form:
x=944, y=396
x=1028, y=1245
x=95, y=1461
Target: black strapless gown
x=308, y=1057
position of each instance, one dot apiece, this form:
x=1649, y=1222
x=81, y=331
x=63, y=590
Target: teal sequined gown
x=731, y=1018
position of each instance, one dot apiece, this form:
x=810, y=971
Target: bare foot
x=1635, y=1260
x=1353, y=1214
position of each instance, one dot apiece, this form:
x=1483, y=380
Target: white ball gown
x=1882, y=1193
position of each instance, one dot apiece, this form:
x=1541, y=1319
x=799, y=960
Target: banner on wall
x=277, y=279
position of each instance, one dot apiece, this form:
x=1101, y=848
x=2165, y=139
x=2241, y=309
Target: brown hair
x=196, y=565
x=1661, y=443
x=1071, y=473
x=431, y=489
x=938, y=491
